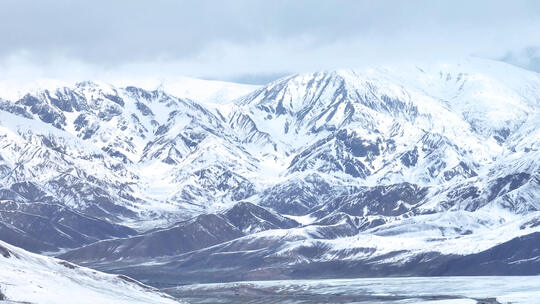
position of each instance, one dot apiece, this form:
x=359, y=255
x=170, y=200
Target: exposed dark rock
x=249, y=218
x=252, y=259
x=519, y=256
x=389, y=200
x=4, y=252
x=28, y=190
x=145, y=110
x=410, y=158
x=68, y=265
x=47, y=227
x=298, y=197
x=200, y=232
x=132, y=281
x=116, y=99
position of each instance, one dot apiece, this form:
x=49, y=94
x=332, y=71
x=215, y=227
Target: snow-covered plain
x=432, y=290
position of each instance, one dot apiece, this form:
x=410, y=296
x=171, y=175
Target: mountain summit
x=401, y=170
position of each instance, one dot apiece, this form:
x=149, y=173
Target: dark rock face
x=533, y=223
x=390, y=200
x=336, y=225
x=14, y=109
x=496, y=189
x=5, y=252
x=410, y=158
x=251, y=218
x=519, y=256
x=68, y=265
x=28, y=190
x=298, y=197
x=92, y=194
x=248, y=259
x=197, y=233
x=506, y=184
x=200, y=232
x=357, y=146
x=8, y=194
x=219, y=178
x=49, y=227
x=145, y=110
x=10, y=234
x=340, y=152
x=501, y=135
x=139, y=92
x=115, y=98
x=462, y=169
x=45, y=112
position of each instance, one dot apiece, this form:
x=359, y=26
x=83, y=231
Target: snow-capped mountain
x=399, y=169
x=98, y=144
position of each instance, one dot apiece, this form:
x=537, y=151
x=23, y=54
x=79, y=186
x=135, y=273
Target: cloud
x=233, y=39
x=528, y=58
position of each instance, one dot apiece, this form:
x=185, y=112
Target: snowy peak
x=462, y=94
x=389, y=163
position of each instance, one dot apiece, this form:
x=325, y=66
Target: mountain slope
x=383, y=166
x=200, y=232
x=306, y=254
x=50, y=227
x=31, y=278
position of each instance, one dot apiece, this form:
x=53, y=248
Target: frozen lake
x=436, y=290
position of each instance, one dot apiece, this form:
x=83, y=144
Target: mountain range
x=405, y=170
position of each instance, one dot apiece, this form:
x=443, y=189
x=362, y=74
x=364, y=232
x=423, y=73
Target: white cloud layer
x=100, y=39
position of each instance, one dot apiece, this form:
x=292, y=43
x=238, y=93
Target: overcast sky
x=253, y=41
